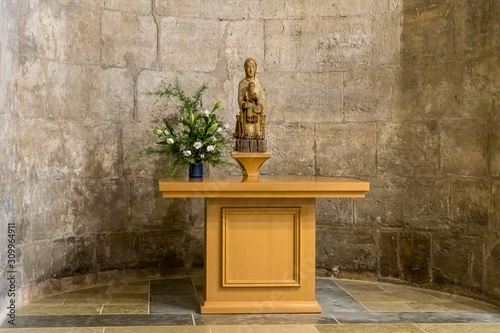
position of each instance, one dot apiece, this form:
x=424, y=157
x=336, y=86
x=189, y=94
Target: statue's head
x=251, y=86
x=250, y=67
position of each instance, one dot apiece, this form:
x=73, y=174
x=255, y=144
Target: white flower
x=210, y=148
x=202, y=155
x=187, y=152
x=219, y=129
x=197, y=145
x=214, y=139
x=206, y=112
x=170, y=141
x=226, y=125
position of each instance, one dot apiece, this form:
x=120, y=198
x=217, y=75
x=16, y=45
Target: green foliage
x=194, y=135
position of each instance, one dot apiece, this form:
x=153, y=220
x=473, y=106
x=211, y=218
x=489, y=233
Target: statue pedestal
x=251, y=163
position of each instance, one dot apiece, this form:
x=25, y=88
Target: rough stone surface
x=404, y=94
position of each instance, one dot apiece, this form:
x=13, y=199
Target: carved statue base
x=252, y=146
x=250, y=163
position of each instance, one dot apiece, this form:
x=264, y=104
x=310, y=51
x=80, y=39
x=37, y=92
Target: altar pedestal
x=260, y=240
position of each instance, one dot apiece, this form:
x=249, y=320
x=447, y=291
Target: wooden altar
x=260, y=239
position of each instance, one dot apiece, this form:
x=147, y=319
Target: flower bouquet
x=194, y=136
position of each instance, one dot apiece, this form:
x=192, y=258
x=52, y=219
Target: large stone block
x=236, y=51
x=408, y=149
x=427, y=204
x=292, y=150
x=176, y=8
x=415, y=256
x=444, y=90
x=128, y=39
x=369, y=95
x=384, y=204
x=36, y=261
x=334, y=212
x=226, y=10
x=470, y=206
x=472, y=21
x=9, y=17
x=344, y=43
x=492, y=263
x=346, y=149
x=47, y=210
x=388, y=258
x=111, y=94
x=262, y=9
x=457, y=260
x=151, y=210
x=100, y=205
x=495, y=214
x=141, y=6
x=78, y=35
x=427, y=32
x=494, y=29
x=63, y=258
x=304, y=97
x=182, y=50
x=30, y=97
x=117, y=250
x=290, y=45
x=387, y=39
x=163, y=248
x=410, y=94
x=352, y=250
x=37, y=28
x=7, y=80
x=463, y=147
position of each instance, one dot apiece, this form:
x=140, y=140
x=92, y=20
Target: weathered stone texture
x=305, y=97
x=408, y=149
x=369, y=95
x=291, y=142
x=117, y=250
x=349, y=249
x=492, y=282
x=128, y=39
x=457, y=260
x=463, y=147
x=334, y=213
x=344, y=43
x=140, y=6
x=386, y=39
x=415, y=256
x=346, y=150
x=388, y=257
x=244, y=39
x=427, y=204
x=382, y=206
x=78, y=35
x=470, y=206
x=181, y=50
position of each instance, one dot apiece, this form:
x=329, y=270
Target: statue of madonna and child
x=251, y=120
x=251, y=145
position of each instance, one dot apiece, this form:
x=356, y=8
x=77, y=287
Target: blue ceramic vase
x=196, y=171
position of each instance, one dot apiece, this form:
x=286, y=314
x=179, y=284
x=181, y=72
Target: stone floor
x=170, y=306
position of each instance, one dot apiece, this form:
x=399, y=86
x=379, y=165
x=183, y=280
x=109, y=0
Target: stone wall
x=401, y=93
x=8, y=58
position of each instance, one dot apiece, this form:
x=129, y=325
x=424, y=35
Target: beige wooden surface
x=265, y=187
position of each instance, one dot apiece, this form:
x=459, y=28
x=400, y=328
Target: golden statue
x=250, y=122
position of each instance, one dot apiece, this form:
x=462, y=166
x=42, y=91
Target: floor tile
x=263, y=329
x=172, y=287
x=388, y=307
x=50, y=309
x=392, y=296
x=162, y=329
x=460, y=328
x=125, y=309
x=264, y=319
x=378, y=328
x=125, y=298
x=102, y=320
x=174, y=304
x=415, y=317
x=350, y=285
x=135, y=289
x=332, y=304
x=444, y=306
